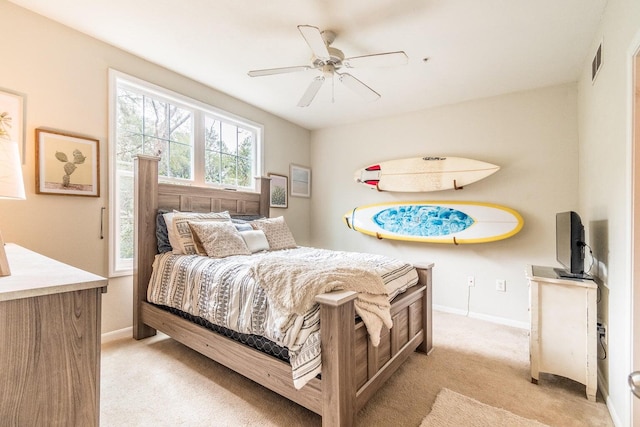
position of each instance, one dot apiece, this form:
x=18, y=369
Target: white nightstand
x=563, y=332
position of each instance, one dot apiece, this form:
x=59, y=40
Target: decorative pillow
x=243, y=227
x=180, y=235
x=162, y=234
x=278, y=234
x=219, y=239
x=255, y=240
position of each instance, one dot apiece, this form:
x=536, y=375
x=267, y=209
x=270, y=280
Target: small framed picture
x=12, y=116
x=278, y=191
x=300, y=180
x=67, y=164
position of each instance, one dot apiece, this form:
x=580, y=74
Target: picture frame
x=278, y=191
x=12, y=119
x=300, y=180
x=67, y=164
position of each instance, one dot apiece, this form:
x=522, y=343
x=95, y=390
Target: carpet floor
x=159, y=382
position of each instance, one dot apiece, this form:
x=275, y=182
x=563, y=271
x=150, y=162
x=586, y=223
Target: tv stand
x=562, y=338
x=561, y=273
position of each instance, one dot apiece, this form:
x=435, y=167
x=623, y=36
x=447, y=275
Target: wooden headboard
x=149, y=196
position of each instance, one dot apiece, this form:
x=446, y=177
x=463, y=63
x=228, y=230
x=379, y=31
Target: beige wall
x=64, y=75
x=531, y=135
x=605, y=188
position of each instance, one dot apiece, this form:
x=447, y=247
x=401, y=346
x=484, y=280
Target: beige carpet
x=452, y=409
x=159, y=382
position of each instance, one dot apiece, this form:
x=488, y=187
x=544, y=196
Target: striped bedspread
x=224, y=292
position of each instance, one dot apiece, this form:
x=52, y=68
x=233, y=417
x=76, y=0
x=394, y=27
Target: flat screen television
x=570, y=243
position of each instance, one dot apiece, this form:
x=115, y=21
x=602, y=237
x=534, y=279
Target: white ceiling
x=476, y=48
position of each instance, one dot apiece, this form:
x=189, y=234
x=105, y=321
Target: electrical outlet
x=501, y=285
x=602, y=332
x=471, y=281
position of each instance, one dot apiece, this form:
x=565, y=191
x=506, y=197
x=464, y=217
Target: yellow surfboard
x=436, y=221
x=423, y=174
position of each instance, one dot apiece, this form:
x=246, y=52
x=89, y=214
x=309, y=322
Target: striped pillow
x=180, y=235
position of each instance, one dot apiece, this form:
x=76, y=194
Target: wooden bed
x=352, y=369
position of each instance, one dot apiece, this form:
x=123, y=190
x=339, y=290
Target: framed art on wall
x=278, y=191
x=67, y=164
x=300, y=180
x=12, y=116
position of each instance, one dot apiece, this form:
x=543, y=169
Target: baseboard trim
x=108, y=337
x=607, y=400
x=481, y=316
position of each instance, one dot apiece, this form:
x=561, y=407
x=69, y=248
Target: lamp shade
x=11, y=183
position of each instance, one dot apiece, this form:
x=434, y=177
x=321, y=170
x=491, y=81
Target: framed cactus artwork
x=278, y=191
x=67, y=164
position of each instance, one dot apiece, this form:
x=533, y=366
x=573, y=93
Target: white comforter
x=225, y=292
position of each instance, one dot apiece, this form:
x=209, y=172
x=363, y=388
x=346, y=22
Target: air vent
x=596, y=63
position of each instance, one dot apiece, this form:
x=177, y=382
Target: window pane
x=212, y=168
x=125, y=215
x=245, y=176
x=180, y=124
x=245, y=140
x=212, y=134
x=155, y=118
x=129, y=112
x=129, y=144
x=229, y=139
x=228, y=169
x=180, y=160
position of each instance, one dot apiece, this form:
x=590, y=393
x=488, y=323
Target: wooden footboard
x=352, y=369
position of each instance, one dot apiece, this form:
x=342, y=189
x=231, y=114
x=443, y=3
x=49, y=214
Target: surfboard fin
x=455, y=186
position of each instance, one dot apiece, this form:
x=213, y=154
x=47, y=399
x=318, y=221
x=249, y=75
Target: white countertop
x=34, y=275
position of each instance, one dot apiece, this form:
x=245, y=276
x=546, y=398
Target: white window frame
x=124, y=267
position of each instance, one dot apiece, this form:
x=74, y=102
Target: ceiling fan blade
x=313, y=37
x=358, y=87
x=377, y=60
x=311, y=92
x=282, y=70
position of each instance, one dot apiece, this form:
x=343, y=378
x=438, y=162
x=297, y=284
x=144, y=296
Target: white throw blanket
x=291, y=286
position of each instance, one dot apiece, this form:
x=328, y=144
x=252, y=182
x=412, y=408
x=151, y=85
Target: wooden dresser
x=49, y=342
x=562, y=339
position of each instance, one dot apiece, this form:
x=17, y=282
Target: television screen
x=570, y=242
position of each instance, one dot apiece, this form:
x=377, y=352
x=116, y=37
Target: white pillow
x=255, y=240
x=180, y=236
x=278, y=234
x=219, y=239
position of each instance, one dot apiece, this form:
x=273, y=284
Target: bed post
x=425, y=279
x=338, y=358
x=265, y=202
x=144, y=241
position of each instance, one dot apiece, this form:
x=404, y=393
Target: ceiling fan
x=329, y=60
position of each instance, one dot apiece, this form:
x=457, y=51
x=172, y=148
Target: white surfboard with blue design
x=436, y=221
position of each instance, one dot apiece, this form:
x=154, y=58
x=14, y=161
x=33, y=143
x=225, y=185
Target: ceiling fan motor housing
x=335, y=58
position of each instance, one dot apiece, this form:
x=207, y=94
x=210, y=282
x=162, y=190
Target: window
x=197, y=145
